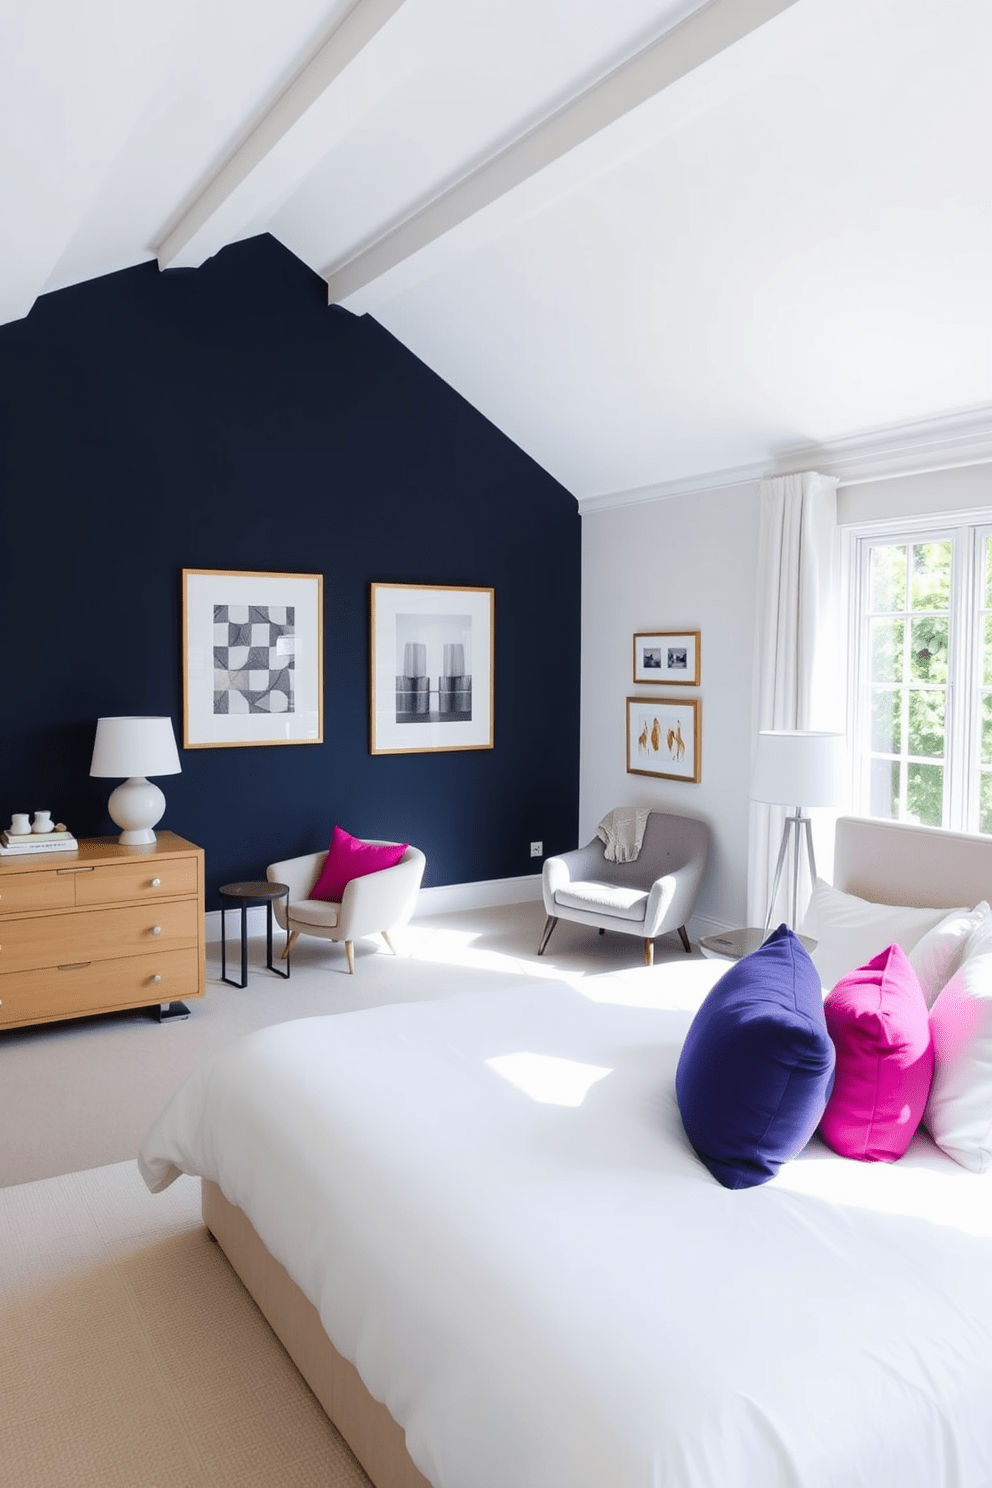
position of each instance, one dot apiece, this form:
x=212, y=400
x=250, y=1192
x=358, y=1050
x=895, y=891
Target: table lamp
x=798, y=769
x=137, y=748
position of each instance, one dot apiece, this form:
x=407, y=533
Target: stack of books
x=36, y=842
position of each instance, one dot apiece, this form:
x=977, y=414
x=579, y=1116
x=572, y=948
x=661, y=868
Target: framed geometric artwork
x=431, y=657
x=663, y=738
x=252, y=658
x=667, y=656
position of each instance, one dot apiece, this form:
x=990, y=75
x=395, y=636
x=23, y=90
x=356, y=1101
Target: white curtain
x=797, y=667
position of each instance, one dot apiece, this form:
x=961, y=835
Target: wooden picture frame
x=252, y=658
x=416, y=706
x=671, y=657
x=663, y=738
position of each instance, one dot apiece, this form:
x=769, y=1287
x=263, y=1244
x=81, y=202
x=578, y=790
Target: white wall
x=963, y=489
x=682, y=563
x=687, y=563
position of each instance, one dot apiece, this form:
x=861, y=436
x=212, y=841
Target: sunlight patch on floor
x=451, y=947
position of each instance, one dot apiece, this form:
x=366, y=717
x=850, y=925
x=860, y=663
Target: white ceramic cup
x=20, y=824
x=42, y=822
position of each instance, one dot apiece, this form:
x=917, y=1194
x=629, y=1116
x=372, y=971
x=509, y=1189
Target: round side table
x=258, y=891
x=733, y=945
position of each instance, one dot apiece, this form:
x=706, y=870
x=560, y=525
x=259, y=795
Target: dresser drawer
x=153, y=879
x=97, y=935
x=99, y=987
x=26, y=891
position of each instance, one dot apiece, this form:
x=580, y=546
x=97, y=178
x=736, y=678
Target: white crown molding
x=914, y=448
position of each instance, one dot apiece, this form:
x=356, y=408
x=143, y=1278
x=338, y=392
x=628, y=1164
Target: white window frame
x=967, y=532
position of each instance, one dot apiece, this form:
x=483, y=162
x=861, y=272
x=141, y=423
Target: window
x=923, y=644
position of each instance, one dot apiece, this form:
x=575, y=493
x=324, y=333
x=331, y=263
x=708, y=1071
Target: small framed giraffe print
x=663, y=738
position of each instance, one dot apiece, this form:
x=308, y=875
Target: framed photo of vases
x=668, y=656
x=663, y=738
x=431, y=656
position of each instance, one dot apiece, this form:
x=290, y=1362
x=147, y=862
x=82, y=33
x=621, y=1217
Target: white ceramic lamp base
x=136, y=805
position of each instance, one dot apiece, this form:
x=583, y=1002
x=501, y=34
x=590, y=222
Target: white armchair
x=372, y=905
x=647, y=897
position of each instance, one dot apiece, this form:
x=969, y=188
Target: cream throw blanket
x=623, y=832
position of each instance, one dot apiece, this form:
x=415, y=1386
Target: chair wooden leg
x=291, y=940
x=385, y=936
x=349, y=948
x=552, y=922
x=686, y=944
x=649, y=953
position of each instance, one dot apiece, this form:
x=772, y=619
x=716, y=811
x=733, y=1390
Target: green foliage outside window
x=909, y=645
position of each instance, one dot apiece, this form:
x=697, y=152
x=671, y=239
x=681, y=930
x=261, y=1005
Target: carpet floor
x=131, y=1355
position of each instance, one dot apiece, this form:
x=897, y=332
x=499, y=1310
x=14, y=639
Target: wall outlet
x=536, y=849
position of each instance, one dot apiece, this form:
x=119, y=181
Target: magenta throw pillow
x=349, y=857
x=877, y=1018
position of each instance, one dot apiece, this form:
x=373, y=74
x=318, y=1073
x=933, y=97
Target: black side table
x=251, y=892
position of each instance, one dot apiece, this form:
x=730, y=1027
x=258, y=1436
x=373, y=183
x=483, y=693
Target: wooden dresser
x=100, y=929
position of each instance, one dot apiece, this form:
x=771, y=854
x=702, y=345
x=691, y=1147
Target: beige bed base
x=883, y=861
x=366, y=1425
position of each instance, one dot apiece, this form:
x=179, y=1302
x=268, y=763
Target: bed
x=482, y=1235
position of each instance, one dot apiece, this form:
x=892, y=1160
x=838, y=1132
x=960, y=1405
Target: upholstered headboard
x=894, y=863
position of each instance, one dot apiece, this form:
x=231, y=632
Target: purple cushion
x=755, y=1069
x=877, y=1018
x=349, y=857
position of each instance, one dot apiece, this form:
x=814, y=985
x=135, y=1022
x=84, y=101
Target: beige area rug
x=131, y=1356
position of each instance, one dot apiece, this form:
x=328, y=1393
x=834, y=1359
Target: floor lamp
x=797, y=769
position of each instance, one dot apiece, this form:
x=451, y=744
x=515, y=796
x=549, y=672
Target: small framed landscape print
x=663, y=738
x=667, y=656
x=431, y=668
x=252, y=658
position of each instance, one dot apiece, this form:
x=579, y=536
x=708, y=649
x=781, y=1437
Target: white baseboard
x=700, y=925
x=449, y=898
x=441, y=899
x=446, y=899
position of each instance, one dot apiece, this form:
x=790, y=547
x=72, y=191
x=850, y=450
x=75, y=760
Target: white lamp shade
x=134, y=746
x=795, y=768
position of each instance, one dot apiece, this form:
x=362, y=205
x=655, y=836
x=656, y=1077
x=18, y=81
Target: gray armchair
x=375, y=904
x=647, y=897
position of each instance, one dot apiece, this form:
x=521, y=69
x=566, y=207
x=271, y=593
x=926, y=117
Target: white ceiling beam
x=708, y=31
x=189, y=240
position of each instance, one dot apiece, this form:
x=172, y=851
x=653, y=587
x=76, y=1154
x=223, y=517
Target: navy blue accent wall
x=225, y=417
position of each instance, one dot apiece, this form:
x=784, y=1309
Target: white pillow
x=849, y=930
x=959, y=1110
x=979, y=942
x=941, y=951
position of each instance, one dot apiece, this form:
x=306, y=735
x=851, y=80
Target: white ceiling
x=648, y=239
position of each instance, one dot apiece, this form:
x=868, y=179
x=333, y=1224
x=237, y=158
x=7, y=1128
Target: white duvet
x=492, y=1204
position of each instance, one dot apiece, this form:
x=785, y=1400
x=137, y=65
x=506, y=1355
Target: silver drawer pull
x=156, y=883
x=156, y=929
x=75, y=870
x=155, y=979
x=75, y=965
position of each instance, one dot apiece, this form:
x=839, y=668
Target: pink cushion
x=877, y=1019
x=349, y=857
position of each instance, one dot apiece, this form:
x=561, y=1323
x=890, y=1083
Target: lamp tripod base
x=796, y=827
